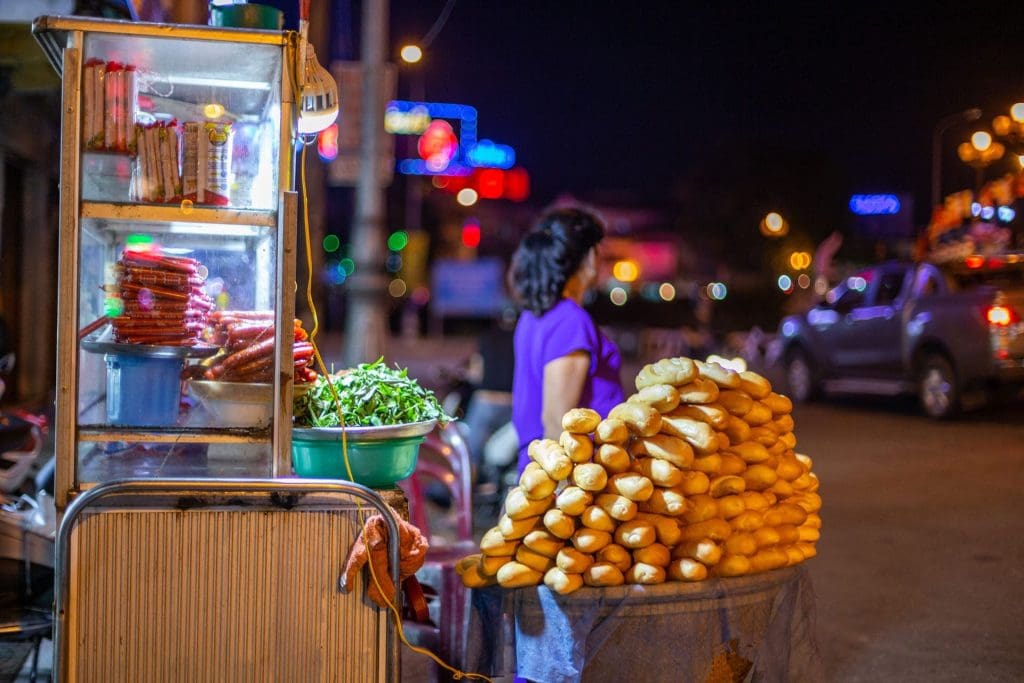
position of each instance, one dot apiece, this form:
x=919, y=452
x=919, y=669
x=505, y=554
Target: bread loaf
x=640, y=418
x=631, y=485
x=573, y=500
x=595, y=517
x=618, y=507
x=561, y=582
x=614, y=554
x=656, y=554
x=724, y=377
x=514, y=529
x=551, y=456
x=518, y=575
x=611, y=430
x=590, y=541
x=535, y=482
x=754, y=384
x=573, y=561
x=533, y=559
x=544, y=542
x=673, y=371
x=637, y=533
x=646, y=574
x=603, y=574
x=559, y=524
x=580, y=420
x=661, y=397
x=672, y=449
x=613, y=458
x=686, y=569
x=578, y=447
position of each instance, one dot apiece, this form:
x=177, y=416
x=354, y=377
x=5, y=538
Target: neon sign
x=412, y=122
x=486, y=154
x=875, y=204
x=445, y=128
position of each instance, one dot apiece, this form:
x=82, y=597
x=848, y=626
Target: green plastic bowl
x=248, y=15
x=379, y=456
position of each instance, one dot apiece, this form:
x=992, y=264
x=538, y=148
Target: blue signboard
x=468, y=288
x=875, y=204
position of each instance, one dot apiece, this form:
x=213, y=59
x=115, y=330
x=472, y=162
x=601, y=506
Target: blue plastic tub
x=141, y=391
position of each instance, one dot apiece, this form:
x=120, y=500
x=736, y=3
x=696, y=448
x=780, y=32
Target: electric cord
x=361, y=512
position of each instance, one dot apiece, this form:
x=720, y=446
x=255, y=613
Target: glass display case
x=177, y=230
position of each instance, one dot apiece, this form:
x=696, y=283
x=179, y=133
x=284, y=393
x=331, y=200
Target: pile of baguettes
x=695, y=475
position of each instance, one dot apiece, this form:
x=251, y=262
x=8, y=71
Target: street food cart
x=184, y=551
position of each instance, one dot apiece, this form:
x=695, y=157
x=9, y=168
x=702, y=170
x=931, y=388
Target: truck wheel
x=937, y=388
x=800, y=379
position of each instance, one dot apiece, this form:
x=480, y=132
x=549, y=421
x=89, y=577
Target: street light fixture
x=1011, y=128
x=411, y=54
x=774, y=225
x=944, y=124
x=980, y=152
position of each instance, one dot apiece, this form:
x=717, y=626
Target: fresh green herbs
x=371, y=395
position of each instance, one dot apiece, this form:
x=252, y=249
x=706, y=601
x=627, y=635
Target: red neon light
x=517, y=184
x=490, y=183
x=471, y=235
x=974, y=261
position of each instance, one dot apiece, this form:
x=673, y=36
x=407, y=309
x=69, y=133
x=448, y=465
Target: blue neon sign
x=875, y=204
x=404, y=117
x=486, y=154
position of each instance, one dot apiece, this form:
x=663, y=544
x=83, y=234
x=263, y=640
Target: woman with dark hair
x=562, y=359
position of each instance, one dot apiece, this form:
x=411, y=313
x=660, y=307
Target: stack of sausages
x=164, y=302
x=247, y=338
x=695, y=475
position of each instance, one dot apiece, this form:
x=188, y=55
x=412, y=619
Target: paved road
x=919, y=574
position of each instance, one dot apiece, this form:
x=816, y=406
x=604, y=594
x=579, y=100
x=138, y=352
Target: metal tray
x=383, y=433
x=103, y=342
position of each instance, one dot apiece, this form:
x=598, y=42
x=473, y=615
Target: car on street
x=951, y=333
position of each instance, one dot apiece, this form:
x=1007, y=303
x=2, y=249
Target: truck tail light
x=1000, y=316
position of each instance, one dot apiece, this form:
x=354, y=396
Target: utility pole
x=365, y=321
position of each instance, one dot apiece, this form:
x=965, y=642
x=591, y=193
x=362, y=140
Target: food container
x=379, y=456
x=234, y=404
x=143, y=391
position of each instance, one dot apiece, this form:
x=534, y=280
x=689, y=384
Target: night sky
x=635, y=96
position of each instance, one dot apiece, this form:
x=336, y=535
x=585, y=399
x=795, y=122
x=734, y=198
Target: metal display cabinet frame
x=65, y=41
x=219, y=581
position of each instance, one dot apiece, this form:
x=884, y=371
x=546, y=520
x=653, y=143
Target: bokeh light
x=618, y=296
x=398, y=240
x=626, y=270
x=411, y=54
x=717, y=291
x=331, y=243
x=667, y=291
x=467, y=196
x=397, y=287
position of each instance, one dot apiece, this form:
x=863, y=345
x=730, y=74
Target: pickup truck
x=947, y=333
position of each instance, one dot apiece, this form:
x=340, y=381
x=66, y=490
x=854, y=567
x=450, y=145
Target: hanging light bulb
x=318, y=105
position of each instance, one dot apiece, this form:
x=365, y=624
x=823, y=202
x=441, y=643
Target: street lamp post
x=941, y=127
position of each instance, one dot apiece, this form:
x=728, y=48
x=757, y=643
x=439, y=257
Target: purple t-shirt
x=538, y=340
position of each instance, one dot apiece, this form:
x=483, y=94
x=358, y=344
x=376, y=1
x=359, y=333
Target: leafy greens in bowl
x=371, y=395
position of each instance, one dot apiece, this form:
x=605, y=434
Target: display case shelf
x=176, y=214
x=97, y=433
